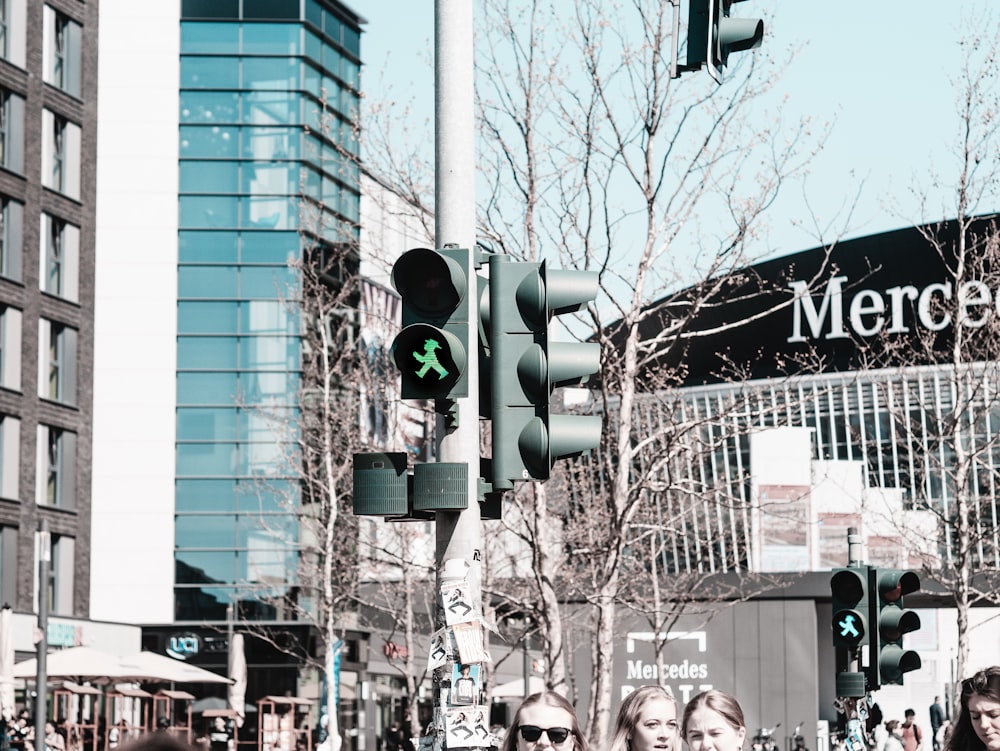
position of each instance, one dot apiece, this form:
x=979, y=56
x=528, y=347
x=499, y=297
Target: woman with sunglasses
x=545, y=720
x=713, y=721
x=647, y=721
x=978, y=725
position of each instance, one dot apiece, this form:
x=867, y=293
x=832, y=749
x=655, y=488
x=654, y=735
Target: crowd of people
x=649, y=720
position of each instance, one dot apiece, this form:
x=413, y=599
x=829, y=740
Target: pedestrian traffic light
x=430, y=351
x=849, y=591
x=525, y=365
x=890, y=620
x=713, y=34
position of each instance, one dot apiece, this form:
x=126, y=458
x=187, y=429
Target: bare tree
x=595, y=157
x=943, y=401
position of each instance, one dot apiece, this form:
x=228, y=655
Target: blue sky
x=880, y=72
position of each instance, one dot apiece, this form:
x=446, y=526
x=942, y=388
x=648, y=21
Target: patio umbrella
x=156, y=668
x=78, y=664
x=237, y=692
x=7, y=706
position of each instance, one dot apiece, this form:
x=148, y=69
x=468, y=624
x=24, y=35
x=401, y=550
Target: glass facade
x=268, y=166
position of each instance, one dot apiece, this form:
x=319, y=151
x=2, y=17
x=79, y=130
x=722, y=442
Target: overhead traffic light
x=525, y=365
x=713, y=34
x=890, y=620
x=430, y=351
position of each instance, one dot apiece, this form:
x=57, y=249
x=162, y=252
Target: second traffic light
x=431, y=350
x=525, y=365
x=713, y=34
x=889, y=621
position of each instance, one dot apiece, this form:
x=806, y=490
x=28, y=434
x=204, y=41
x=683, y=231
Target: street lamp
x=44, y=541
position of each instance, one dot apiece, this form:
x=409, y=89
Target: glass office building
x=267, y=164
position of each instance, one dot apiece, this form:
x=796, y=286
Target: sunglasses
x=532, y=733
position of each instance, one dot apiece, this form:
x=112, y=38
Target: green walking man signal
x=429, y=361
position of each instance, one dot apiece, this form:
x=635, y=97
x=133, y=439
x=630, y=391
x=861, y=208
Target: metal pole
x=853, y=547
x=41, y=676
x=459, y=533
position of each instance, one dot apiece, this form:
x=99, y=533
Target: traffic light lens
x=431, y=283
x=429, y=359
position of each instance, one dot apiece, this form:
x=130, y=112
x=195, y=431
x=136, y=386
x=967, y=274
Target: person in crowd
x=937, y=721
x=647, y=720
x=713, y=721
x=977, y=727
x=545, y=720
x=913, y=736
x=53, y=739
x=219, y=737
x=893, y=737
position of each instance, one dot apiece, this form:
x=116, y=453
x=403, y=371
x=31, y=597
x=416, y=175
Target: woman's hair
x=891, y=725
x=721, y=702
x=545, y=699
x=628, y=713
x=963, y=736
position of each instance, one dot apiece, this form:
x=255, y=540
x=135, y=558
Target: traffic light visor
x=431, y=283
x=848, y=585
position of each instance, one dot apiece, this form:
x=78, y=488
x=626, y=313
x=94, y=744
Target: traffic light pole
x=458, y=533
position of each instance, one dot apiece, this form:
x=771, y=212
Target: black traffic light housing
x=850, y=626
x=430, y=351
x=888, y=661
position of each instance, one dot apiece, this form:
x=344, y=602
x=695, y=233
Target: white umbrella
x=78, y=664
x=238, y=674
x=156, y=668
x=7, y=706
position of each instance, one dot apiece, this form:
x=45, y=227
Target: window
x=11, y=237
x=10, y=452
x=11, y=130
x=60, y=154
x=56, y=470
x=61, y=51
x=12, y=31
x=62, y=554
x=63, y=567
x=59, y=257
x=56, y=361
x=10, y=348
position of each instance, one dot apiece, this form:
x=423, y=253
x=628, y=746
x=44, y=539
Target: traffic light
x=430, y=351
x=525, y=366
x=849, y=590
x=890, y=620
x=849, y=594
x=713, y=34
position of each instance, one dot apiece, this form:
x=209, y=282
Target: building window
x=56, y=475
x=10, y=348
x=59, y=257
x=11, y=131
x=8, y=564
x=61, y=51
x=60, y=154
x=11, y=238
x=12, y=31
x=57, y=361
x=10, y=452
x=63, y=566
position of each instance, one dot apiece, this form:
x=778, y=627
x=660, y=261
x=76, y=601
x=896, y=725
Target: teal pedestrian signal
x=891, y=620
x=526, y=365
